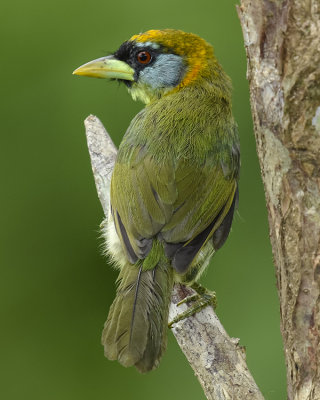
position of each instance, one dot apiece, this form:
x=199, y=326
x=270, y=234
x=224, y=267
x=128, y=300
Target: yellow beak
x=106, y=67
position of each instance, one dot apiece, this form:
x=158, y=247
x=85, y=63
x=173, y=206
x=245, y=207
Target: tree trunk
x=282, y=39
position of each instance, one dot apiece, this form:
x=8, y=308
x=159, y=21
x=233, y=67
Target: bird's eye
x=144, y=57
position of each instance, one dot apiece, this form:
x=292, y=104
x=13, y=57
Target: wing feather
x=183, y=203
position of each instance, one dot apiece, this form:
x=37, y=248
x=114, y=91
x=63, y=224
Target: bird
x=174, y=187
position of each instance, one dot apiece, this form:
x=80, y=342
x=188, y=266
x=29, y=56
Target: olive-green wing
x=205, y=209
x=143, y=194
x=182, y=203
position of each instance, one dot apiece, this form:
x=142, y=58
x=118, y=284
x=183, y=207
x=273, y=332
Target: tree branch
x=217, y=360
x=283, y=49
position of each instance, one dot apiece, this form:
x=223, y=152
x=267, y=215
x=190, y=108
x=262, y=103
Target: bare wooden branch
x=283, y=48
x=103, y=155
x=217, y=360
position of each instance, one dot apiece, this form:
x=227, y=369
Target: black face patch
x=128, y=52
x=124, y=52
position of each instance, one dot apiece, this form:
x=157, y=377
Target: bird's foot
x=201, y=299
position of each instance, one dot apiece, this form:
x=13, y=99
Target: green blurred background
x=56, y=287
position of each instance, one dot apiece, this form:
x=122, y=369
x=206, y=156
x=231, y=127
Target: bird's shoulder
x=191, y=125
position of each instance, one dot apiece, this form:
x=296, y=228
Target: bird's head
x=156, y=63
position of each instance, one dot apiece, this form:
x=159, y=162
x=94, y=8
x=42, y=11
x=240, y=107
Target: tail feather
x=157, y=338
x=135, y=332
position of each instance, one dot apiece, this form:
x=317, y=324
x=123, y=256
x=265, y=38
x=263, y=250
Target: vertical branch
x=283, y=48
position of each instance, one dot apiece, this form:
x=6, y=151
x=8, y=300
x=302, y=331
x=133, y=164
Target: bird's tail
x=135, y=332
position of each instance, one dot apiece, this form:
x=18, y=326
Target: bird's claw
x=201, y=299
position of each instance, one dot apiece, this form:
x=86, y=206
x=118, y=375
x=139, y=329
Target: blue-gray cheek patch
x=167, y=71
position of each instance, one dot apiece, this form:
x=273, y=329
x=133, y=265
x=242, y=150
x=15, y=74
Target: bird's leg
x=201, y=299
